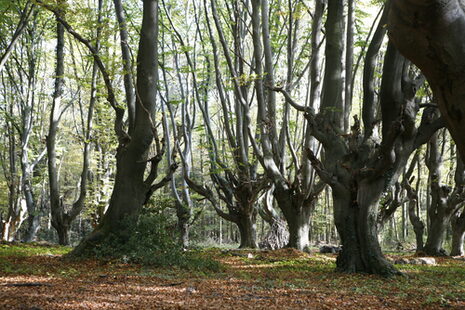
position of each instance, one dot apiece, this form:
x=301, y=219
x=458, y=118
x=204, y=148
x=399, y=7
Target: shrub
x=148, y=240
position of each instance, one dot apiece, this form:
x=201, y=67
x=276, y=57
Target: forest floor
x=37, y=277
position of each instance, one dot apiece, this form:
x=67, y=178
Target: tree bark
x=355, y=218
x=127, y=63
x=297, y=211
x=458, y=234
x=417, y=223
x=357, y=169
x=445, y=201
x=430, y=34
x=25, y=14
x=248, y=230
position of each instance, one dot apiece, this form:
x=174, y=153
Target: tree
x=238, y=184
x=429, y=33
x=354, y=165
x=133, y=185
x=24, y=118
x=296, y=194
x=61, y=217
x=445, y=200
x=25, y=14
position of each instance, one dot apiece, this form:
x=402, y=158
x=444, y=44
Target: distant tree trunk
x=278, y=234
x=182, y=198
x=445, y=201
x=297, y=211
x=458, y=234
x=417, y=223
x=295, y=197
x=61, y=218
x=28, y=110
x=59, y=222
x=16, y=213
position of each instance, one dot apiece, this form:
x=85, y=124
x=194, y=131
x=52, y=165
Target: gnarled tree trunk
x=430, y=34
x=355, y=218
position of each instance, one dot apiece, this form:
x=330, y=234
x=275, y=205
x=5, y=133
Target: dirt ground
x=284, y=279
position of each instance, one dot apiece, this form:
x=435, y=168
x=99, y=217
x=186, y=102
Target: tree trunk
x=183, y=214
x=436, y=231
x=56, y=204
x=63, y=233
x=248, y=230
x=418, y=225
x=33, y=226
x=458, y=234
x=133, y=187
x=297, y=212
x=355, y=219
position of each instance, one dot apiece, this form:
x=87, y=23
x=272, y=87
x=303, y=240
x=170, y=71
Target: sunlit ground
x=284, y=279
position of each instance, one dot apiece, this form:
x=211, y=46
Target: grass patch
x=30, y=249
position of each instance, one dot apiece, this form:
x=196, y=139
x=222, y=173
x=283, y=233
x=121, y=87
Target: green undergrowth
x=30, y=249
x=148, y=241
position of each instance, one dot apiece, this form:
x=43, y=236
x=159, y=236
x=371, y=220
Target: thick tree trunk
x=355, y=219
x=63, y=233
x=436, y=231
x=299, y=229
x=297, y=212
x=248, y=230
x=458, y=234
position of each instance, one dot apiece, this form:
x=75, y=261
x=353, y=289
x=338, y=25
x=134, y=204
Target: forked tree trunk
x=430, y=34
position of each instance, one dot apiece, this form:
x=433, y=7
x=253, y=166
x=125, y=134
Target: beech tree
x=357, y=168
x=429, y=33
x=23, y=111
x=133, y=186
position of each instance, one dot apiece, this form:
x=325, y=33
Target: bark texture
x=430, y=34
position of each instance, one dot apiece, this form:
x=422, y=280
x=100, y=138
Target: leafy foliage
x=147, y=240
